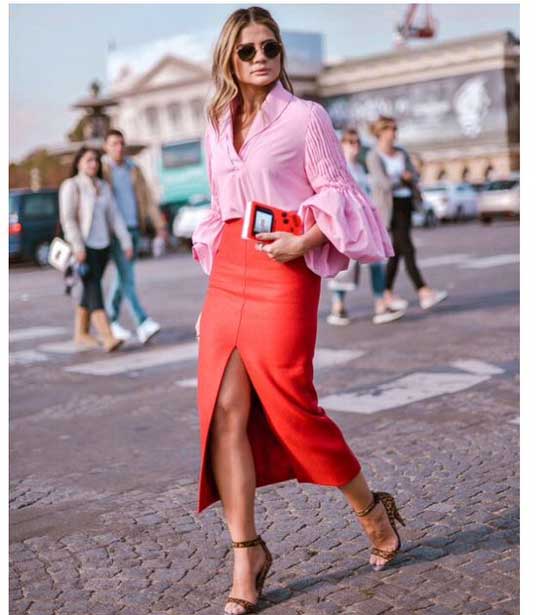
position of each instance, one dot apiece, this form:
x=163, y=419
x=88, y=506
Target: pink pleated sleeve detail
x=344, y=214
x=206, y=236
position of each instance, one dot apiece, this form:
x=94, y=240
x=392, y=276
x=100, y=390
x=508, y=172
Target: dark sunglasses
x=247, y=52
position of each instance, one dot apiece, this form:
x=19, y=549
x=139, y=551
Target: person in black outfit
x=394, y=188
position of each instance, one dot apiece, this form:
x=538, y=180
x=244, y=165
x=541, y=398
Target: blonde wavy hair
x=379, y=125
x=226, y=87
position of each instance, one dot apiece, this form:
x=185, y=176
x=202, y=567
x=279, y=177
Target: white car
x=187, y=219
x=452, y=201
x=424, y=215
x=499, y=197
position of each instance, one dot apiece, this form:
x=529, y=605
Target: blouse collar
x=273, y=105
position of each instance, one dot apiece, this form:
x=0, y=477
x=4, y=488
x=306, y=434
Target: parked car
x=452, y=201
x=424, y=215
x=33, y=223
x=499, y=198
x=188, y=218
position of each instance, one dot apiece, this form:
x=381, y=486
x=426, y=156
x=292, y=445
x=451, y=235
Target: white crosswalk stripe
x=134, y=361
x=324, y=357
x=411, y=388
x=447, y=259
x=473, y=366
x=27, y=357
x=187, y=383
x=490, y=261
x=33, y=333
x=67, y=347
x=327, y=357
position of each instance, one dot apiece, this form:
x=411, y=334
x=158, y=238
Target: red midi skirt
x=268, y=311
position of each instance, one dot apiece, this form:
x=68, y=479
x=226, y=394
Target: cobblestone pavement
x=103, y=468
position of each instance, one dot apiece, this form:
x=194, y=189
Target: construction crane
x=407, y=30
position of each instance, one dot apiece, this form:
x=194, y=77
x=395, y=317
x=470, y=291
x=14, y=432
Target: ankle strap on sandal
x=248, y=543
x=368, y=509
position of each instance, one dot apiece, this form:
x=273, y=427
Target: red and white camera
x=262, y=218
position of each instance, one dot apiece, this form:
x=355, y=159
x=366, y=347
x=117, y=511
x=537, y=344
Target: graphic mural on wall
x=456, y=109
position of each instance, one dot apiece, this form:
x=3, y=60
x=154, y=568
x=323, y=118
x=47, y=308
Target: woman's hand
x=407, y=177
x=285, y=247
x=129, y=253
x=198, y=326
x=80, y=256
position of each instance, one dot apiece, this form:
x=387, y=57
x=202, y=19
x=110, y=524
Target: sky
x=57, y=50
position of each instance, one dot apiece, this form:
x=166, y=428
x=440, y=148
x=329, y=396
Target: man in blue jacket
x=134, y=201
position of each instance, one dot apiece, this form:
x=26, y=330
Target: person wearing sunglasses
x=349, y=280
x=259, y=415
x=395, y=188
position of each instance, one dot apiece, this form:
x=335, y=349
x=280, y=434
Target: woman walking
x=394, y=184
x=349, y=280
x=260, y=421
x=88, y=216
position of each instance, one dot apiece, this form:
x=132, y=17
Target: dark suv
x=34, y=222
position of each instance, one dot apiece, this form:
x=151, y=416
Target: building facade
x=456, y=103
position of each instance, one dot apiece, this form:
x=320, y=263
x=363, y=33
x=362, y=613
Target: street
x=104, y=450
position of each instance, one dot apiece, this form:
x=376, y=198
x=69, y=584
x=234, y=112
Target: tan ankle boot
x=103, y=326
x=82, y=335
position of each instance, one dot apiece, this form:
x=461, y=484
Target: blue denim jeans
x=378, y=279
x=124, y=285
x=378, y=282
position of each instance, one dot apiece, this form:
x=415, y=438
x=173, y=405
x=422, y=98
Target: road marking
x=327, y=357
x=27, y=357
x=324, y=357
x=449, y=259
x=409, y=389
x=69, y=347
x=33, y=333
x=473, y=366
x=514, y=421
x=187, y=383
x=490, y=261
x=133, y=361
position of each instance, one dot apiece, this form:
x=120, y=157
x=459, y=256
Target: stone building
x=456, y=103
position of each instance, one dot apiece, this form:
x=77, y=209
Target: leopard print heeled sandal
x=260, y=579
x=392, y=511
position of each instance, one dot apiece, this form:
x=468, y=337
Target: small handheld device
x=262, y=218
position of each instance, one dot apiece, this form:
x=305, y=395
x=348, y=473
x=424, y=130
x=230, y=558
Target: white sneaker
x=120, y=332
x=435, y=297
x=397, y=304
x=147, y=329
x=387, y=316
x=338, y=319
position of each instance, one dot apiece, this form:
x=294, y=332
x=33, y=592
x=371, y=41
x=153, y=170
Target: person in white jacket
x=88, y=216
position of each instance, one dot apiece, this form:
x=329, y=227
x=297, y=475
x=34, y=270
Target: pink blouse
x=292, y=159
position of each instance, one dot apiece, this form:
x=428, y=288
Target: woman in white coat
x=89, y=216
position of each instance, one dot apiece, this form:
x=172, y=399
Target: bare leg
x=233, y=467
x=376, y=523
